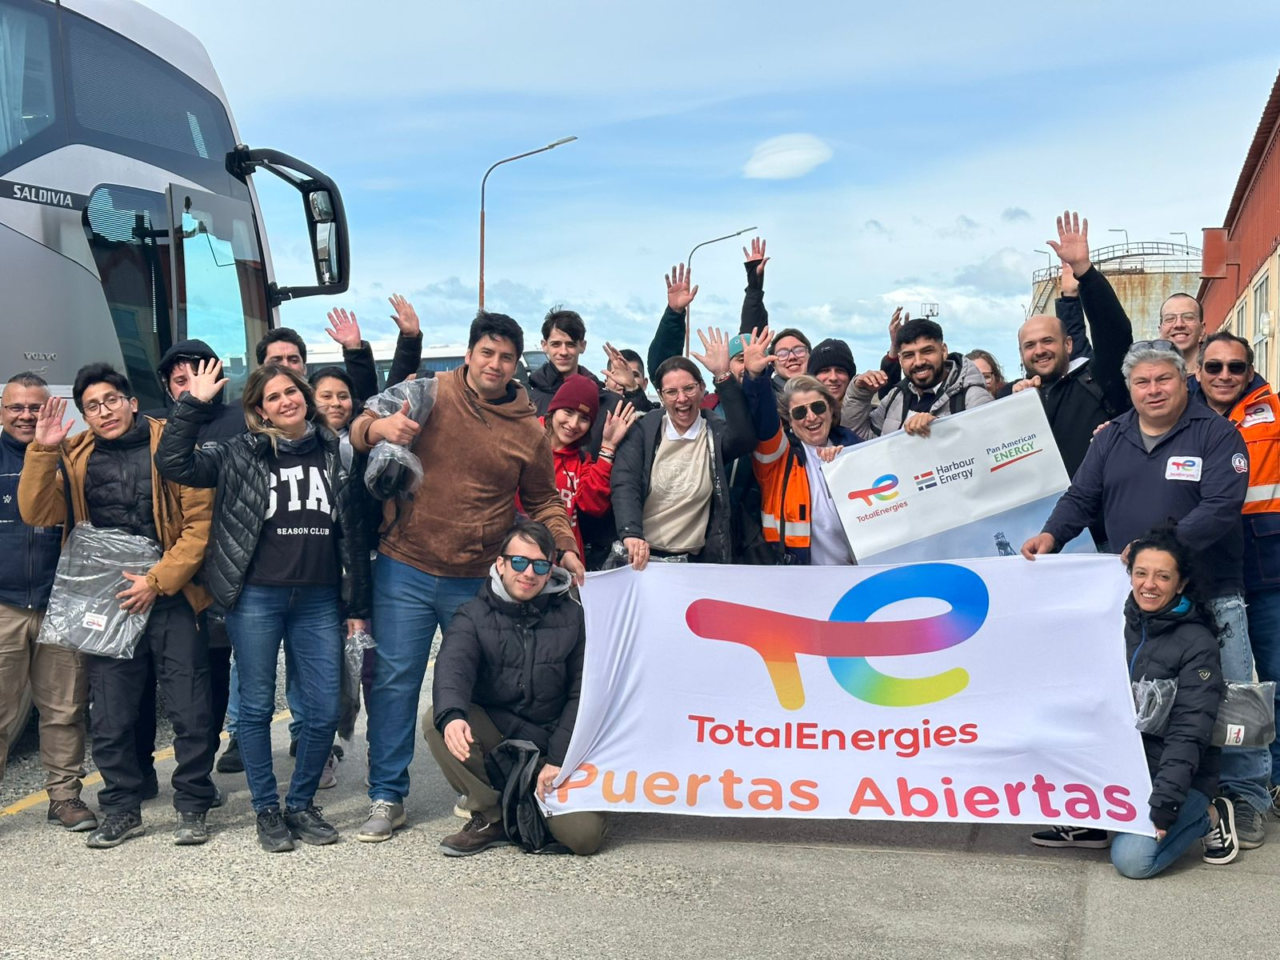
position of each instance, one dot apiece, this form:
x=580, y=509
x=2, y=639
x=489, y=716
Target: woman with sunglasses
x=797, y=511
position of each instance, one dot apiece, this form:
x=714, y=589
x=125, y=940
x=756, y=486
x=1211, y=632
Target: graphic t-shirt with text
x=297, y=547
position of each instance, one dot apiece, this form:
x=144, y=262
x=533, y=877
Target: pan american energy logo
x=847, y=638
x=1013, y=451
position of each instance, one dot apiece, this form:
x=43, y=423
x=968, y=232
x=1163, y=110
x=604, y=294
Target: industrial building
x=1238, y=289
x=1144, y=275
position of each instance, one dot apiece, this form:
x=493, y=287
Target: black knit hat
x=832, y=353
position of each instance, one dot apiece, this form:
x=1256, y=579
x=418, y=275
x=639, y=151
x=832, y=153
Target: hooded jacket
x=476, y=456
x=239, y=470
x=1178, y=643
x=181, y=511
x=521, y=662
x=227, y=420
x=962, y=388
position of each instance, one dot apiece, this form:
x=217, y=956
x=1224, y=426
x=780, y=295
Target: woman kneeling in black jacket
x=1169, y=637
x=287, y=540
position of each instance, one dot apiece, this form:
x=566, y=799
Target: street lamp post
x=689, y=269
x=518, y=156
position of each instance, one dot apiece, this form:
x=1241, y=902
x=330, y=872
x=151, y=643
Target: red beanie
x=577, y=393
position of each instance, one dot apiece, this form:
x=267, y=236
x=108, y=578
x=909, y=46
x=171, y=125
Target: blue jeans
x=1246, y=771
x=307, y=619
x=1140, y=858
x=408, y=605
x=296, y=709
x=1264, y=638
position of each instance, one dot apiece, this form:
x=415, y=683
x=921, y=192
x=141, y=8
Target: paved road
x=669, y=887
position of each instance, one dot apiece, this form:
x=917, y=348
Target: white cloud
x=787, y=157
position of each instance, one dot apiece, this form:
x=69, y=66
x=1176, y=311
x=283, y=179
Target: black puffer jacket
x=117, y=486
x=521, y=662
x=238, y=469
x=1178, y=643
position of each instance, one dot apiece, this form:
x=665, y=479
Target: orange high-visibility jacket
x=1257, y=417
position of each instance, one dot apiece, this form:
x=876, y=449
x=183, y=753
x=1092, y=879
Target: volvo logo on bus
x=33, y=355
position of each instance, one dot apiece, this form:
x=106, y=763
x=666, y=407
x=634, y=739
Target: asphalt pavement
x=671, y=887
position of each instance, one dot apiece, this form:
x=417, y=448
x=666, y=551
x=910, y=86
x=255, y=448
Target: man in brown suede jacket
x=480, y=447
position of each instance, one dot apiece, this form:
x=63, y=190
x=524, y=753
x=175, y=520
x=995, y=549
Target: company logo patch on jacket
x=1184, y=468
x=1258, y=413
x=1240, y=463
x=1204, y=674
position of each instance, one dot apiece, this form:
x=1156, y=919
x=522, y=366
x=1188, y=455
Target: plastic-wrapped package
x=1247, y=715
x=393, y=470
x=83, y=612
x=1153, y=700
x=353, y=648
x=618, y=557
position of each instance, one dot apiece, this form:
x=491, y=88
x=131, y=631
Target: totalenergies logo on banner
x=884, y=488
x=847, y=639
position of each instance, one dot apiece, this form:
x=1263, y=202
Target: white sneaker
x=460, y=811
x=329, y=776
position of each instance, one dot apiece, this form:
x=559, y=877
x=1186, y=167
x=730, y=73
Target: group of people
x=269, y=535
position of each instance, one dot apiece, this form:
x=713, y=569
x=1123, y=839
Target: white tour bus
x=128, y=216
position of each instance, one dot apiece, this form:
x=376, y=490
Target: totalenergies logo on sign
x=847, y=639
x=884, y=488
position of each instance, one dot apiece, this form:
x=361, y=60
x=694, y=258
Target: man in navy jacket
x=28, y=560
x=1171, y=459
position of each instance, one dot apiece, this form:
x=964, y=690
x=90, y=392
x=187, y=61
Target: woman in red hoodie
x=583, y=482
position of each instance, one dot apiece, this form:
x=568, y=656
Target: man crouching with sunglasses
x=510, y=667
x=1230, y=386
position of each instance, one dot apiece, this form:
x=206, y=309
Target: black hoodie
x=228, y=421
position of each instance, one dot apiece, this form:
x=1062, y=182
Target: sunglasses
x=521, y=564
x=819, y=407
x=1234, y=367
x=1153, y=345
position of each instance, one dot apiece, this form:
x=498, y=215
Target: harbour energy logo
x=884, y=488
x=847, y=639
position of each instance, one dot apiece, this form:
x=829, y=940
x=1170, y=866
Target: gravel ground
x=25, y=775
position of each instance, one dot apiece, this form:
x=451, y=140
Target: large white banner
x=980, y=485
x=991, y=690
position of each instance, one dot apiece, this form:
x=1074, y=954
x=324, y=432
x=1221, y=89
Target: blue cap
x=738, y=344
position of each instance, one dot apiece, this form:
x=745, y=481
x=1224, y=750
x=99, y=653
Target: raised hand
x=51, y=429
x=619, y=371
x=755, y=355
x=207, y=380
x=1072, y=246
x=679, y=294
x=405, y=316
x=399, y=428
x=756, y=255
x=895, y=324
x=871, y=381
x=616, y=425
x=716, y=359
x=344, y=329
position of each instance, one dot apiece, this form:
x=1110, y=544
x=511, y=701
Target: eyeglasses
x=689, y=390
x=17, y=409
x=819, y=407
x=95, y=408
x=1184, y=317
x=787, y=353
x=521, y=564
x=1235, y=367
x=1153, y=345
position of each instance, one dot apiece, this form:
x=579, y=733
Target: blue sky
x=931, y=147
